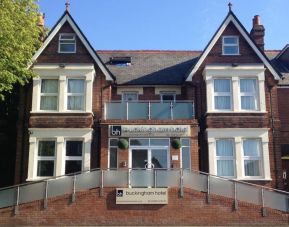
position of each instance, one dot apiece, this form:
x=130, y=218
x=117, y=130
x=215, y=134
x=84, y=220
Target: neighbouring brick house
x=218, y=111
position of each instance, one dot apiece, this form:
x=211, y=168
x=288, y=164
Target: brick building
x=217, y=111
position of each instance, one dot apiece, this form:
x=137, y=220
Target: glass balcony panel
x=116, y=110
x=248, y=193
x=160, y=111
x=221, y=187
x=142, y=178
x=32, y=192
x=115, y=178
x=88, y=180
x=168, y=178
x=182, y=110
x=195, y=181
x=137, y=110
x=276, y=200
x=60, y=186
x=8, y=197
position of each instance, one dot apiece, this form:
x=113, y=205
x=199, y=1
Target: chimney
x=258, y=32
x=41, y=20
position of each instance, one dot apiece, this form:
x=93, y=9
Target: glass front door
x=149, y=158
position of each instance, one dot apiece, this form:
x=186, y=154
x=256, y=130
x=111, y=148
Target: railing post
x=155, y=178
x=16, y=208
x=208, y=190
x=235, y=197
x=263, y=209
x=104, y=111
x=172, y=114
x=181, y=183
x=128, y=178
x=73, y=190
x=149, y=115
x=101, y=186
x=46, y=195
x=126, y=110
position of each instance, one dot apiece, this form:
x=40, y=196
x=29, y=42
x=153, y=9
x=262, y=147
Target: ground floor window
x=46, y=158
x=73, y=156
x=112, y=155
x=239, y=153
x=55, y=152
x=185, y=153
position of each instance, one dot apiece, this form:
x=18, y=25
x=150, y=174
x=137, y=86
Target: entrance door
x=139, y=158
x=149, y=158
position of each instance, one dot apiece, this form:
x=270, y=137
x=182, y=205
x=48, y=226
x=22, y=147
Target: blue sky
x=167, y=24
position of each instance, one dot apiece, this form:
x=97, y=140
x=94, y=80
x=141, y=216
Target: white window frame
x=124, y=93
x=75, y=94
x=70, y=71
x=235, y=73
x=181, y=152
x=216, y=94
x=73, y=41
x=238, y=134
x=45, y=158
x=172, y=93
x=73, y=158
x=49, y=94
x=60, y=135
x=255, y=158
x=109, y=146
x=229, y=158
x=230, y=44
x=251, y=94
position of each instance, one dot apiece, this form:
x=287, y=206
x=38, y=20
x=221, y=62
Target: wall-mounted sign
x=141, y=196
x=149, y=130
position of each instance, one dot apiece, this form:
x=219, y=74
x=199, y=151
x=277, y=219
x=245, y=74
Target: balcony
x=149, y=110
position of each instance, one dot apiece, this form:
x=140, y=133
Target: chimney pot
x=41, y=20
x=256, y=20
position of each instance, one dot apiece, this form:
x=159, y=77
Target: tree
x=19, y=39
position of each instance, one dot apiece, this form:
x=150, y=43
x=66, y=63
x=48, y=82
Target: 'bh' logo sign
x=115, y=130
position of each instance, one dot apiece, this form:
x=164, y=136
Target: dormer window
x=67, y=43
x=230, y=45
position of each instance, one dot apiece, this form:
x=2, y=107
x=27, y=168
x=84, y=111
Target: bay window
x=239, y=153
x=49, y=94
x=222, y=94
x=75, y=94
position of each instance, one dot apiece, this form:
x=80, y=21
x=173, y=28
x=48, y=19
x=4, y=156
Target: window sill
x=254, y=179
x=233, y=112
x=230, y=54
x=38, y=179
x=59, y=112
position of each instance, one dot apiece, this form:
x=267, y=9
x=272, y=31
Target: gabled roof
x=66, y=17
x=285, y=49
x=232, y=18
x=150, y=67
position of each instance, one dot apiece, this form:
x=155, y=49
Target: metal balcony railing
x=200, y=181
x=149, y=110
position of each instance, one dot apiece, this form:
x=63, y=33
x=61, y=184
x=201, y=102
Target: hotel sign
x=149, y=130
x=141, y=196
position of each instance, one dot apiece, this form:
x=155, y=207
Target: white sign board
x=149, y=130
x=141, y=196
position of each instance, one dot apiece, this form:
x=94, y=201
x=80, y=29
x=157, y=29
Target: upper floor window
x=248, y=93
x=67, y=43
x=230, y=45
x=129, y=96
x=49, y=94
x=168, y=96
x=222, y=94
x=75, y=94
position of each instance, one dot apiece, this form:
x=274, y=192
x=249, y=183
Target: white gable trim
x=247, y=38
x=80, y=36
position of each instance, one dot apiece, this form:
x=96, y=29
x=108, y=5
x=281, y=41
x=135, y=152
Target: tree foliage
x=19, y=39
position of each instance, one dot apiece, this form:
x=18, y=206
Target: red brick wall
x=51, y=55
x=90, y=209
